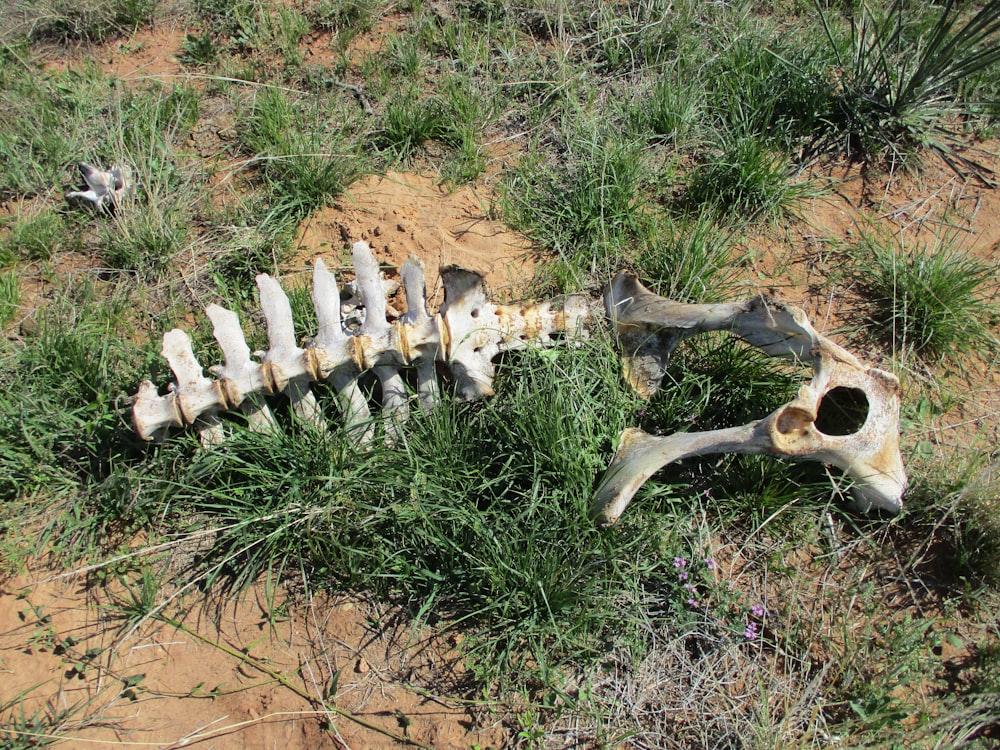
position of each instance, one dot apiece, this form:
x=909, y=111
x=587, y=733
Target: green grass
x=932, y=298
x=36, y=237
x=10, y=296
x=744, y=177
x=655, y=136
x=305, y=155
x=587, y=208
x=901, y=78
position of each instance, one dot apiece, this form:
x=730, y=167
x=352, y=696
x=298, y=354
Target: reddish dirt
x=163, y=686
x=147, y=53
x=401, y=214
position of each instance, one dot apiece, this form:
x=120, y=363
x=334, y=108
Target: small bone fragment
x=241, y=378
x=337, y=354
x=106, y=188
x=286, y=365
x=867, y=452
x=381, y=339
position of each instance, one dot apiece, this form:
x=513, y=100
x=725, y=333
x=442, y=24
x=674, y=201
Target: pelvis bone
x=848, y=415
x=469, y=332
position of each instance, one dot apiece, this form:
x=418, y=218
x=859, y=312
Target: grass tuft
x=932, y=298
x=746, y=178
x=304, y=154
x=586, y=208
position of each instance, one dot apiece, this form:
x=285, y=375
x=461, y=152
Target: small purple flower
x=757, y=610
x=689, y=587
x=692, y=602
x=680, y=562
x=710, y=563
x=682, y=575
x=751, y=631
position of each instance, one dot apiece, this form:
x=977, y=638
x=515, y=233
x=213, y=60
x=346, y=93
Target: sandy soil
x=257, y=671
x=400, y=215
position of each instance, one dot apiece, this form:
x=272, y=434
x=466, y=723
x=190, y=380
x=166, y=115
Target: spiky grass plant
x=932, y=298
x=676, y=109
x=411, y=121
x=898, y=85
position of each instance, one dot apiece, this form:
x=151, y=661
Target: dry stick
x=309, y=698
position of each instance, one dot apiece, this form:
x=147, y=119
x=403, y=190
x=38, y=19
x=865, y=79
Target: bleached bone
x=424, y=338
x=285, y=364
x=467, y=333
x=381, y=339
x=240, y=378
x=106, y=187
x=342, y=370
x=470, y=331
x=195, y=397
x=352, y=308
x=479, y=329
x=867, y=450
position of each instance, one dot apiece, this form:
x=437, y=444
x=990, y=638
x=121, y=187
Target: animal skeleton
x=469, y=331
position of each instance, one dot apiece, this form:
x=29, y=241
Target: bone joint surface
x=468, y=333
